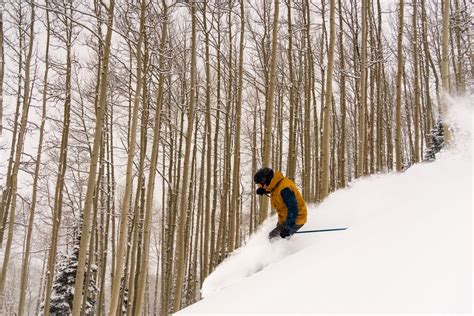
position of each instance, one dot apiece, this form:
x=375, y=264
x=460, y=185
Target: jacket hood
x=277, y=177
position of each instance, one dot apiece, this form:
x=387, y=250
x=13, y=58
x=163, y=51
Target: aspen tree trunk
x=327, y=106
x=356, y=83
x=128, y=180
x=416, y=119
x=424, y=34
x=139, y=203
x=380, y=143
x=213, y=248
x=461, y=80
x=2, y=67
x=314, y=144
x=333, y=146
x=183, y=205
x=167, y=227
x=222, y=231
x=18, y=152
x=105, y=223
x=228, y=213
x=58, y=199
x=280, y=118
x=370, y=143
x=307, y=106
x=234, y=235
x=361, y=171
x=342, y=88
x=388, y=118
x=269, y=107
x=91, y=184
x=398, y=114
x=142, y=277
x=101, y=233
x=157, y=282
x=111, y=191
x=408, y=130
x=319, y=132
x=6, y=194
x=26, y=256
x=193, y=278
x=208, y=127
x=445, y=69
x=199, y=247
x=291, y=163
x=41, y=285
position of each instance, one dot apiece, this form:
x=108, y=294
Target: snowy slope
x=408, y=247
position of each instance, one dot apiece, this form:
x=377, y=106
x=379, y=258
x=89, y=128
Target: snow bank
x=408, y=247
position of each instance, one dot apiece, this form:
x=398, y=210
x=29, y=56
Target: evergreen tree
x=63, y=287
x=436, y=141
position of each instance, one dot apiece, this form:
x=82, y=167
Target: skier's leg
x=275, y=232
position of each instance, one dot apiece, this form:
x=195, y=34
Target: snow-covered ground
x=408, y=247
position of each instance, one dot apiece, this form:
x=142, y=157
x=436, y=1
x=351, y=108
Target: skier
x=285, y=198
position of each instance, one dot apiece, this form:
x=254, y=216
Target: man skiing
x=285, y=198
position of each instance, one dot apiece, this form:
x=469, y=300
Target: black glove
x=284, y=232
x=261, y=191
x=274, y=233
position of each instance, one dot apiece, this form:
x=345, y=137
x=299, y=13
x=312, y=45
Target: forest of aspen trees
x=130, y=130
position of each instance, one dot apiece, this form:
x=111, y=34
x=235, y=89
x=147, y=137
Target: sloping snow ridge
x=408, y=247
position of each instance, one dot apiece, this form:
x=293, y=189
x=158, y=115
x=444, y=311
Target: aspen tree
x=183, y=205
x=379, y=108
x=27, y=250
x=168, y=229
x=199, y=241
x=269, y=106
x=370, y=143
x=128, y=181
x=356, y=87
x=138, y=216
x=100, y=254
x=319, y=130
x=58, y=197
x=342, y=100
x=213, y=247
x=416, y=119
x=361, y=170
x=153, y=164
x=2, y=65
x=325, y=172
x=307, y=163
x=333, y=146
x=291, y=160
x=41, y=285
x=426, y=73
x=227, y=213
x=315, y=172
x=91, y=184
x=254, y=217
x=445, y=69
x=233, y=231
x=461, y=80
x=208, y=129
x=398, y=114
x=6, y=194
x=18, y=153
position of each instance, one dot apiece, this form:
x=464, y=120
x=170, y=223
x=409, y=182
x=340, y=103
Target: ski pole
x=320, y=230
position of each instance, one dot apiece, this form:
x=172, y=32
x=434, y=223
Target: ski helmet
x=263, y=176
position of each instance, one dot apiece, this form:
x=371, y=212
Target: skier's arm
x=289, y=199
